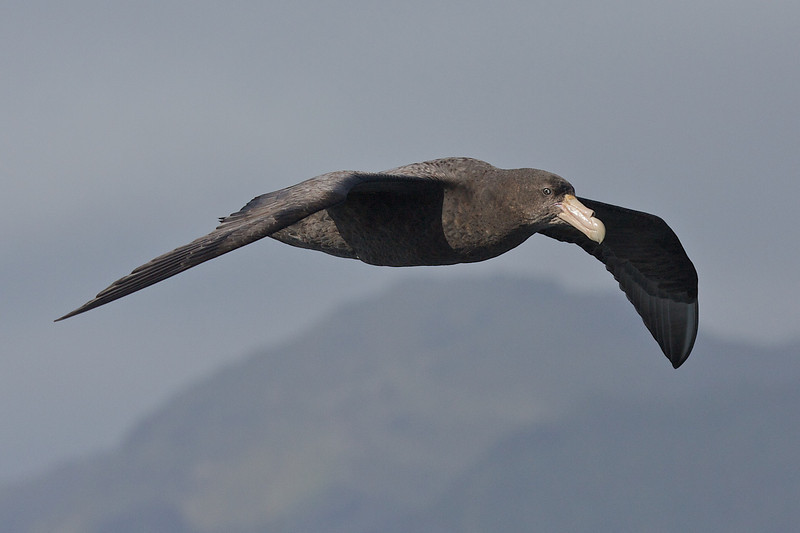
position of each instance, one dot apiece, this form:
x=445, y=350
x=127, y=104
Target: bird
x=448, y=211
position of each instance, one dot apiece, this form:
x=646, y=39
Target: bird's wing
x=652, y=268
x=261, y=217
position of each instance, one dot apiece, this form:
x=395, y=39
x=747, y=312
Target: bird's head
x=550, y=199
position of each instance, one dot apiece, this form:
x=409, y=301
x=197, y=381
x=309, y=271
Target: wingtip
x=77, y=311
x=692, y=324
x=679, y=359
x=71, y=313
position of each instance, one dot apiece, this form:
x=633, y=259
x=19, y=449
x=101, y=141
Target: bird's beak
x=580, y=217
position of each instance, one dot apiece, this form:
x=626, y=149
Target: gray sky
x=127, y=129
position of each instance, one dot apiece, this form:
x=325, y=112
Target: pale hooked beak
x=581, y=218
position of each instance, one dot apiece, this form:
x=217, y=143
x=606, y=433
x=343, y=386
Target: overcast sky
x=127, y=129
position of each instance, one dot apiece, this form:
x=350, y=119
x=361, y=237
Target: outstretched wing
x=261, y=217
x=652, y=268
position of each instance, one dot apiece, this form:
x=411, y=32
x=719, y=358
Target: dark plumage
x=449, y=211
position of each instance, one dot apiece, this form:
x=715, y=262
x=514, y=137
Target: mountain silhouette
x=500, y=404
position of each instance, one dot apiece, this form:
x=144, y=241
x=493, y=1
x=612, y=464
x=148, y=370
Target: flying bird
x=448, y=211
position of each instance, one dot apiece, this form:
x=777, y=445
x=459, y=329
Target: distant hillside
x=428, y=406
x=721, y=463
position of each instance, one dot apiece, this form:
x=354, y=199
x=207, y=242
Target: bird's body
x=448, y=211
x=431, y=221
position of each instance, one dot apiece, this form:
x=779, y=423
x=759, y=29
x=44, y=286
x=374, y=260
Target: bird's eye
x=546, y=191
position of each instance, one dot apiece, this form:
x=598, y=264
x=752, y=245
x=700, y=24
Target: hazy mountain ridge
x=381, y=412
x=621, y=466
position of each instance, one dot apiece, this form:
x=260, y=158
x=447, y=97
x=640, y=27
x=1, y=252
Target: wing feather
x=652, y=268
x=261, y=217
